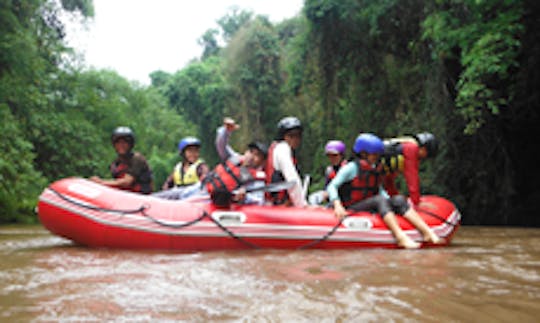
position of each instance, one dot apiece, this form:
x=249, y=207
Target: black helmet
x=428, y=140
x=262, y=147
x=286, y=124
x=125, y=133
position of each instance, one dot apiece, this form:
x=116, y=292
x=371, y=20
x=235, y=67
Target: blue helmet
x=188, y=141
x=369, y=143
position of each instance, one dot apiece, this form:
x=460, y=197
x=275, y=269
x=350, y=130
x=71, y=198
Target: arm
x=411, y=165
x=126, y=181
x=284, y=163
x=222, y=143
x=345, y=174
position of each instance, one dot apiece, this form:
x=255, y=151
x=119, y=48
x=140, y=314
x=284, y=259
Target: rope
x=436, y=216
x=97, y=208
x=325, y=237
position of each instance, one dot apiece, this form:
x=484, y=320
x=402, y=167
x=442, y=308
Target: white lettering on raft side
x=84, y=190
x=229, y=217
x=360, y=224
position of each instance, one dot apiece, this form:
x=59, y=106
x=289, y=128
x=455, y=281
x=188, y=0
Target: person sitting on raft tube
x=130, y=170
x=281, y=164
x=232, y=180
x=335, y=152
x=185, y=179
x=403, y=156
x=360, y=181
x=191, y=169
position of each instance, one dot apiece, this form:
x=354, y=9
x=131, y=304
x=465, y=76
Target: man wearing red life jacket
x=281, y=163
x=403, y=156
x=130, y=170
x=232, y=179
x=361, y=180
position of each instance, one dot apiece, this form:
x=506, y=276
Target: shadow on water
x=486, y=274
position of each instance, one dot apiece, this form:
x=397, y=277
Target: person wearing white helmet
x=130, y=170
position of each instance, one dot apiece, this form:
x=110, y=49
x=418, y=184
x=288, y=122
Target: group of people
x=364, y=182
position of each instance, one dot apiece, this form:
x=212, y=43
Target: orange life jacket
x=230, y=176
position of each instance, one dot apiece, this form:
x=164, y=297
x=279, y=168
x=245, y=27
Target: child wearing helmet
x=335, y=152
x=281, y=164
x=403, y=156
x=130, y=170
x=191, y=169
x=185, y=179
x=360, y=183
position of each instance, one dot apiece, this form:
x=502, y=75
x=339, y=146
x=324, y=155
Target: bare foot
x=408, y=243
x=434, y=239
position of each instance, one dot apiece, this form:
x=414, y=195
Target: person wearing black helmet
x=130, y=170
x=236, y=172
x=403, y=156
x=281, y=163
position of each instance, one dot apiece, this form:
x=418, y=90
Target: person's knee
x=399, y=204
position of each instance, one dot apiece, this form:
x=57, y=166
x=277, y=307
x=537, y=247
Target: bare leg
x=429, y=236
x=402, y=239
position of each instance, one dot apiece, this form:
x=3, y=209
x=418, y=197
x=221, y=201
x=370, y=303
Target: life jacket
x=142, y=183
x=392, y=159
x=230, y=176
x=366, y=183
x=332, y=170
x=275, y=176
x=189, y=177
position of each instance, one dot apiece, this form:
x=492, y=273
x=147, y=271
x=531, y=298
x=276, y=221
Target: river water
x=487, y=275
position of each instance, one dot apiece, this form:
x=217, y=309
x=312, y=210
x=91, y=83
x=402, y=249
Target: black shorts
x=383, y=205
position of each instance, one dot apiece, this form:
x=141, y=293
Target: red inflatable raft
x=97, y=216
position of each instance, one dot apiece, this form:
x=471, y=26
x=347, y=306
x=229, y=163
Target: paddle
x=272, y=187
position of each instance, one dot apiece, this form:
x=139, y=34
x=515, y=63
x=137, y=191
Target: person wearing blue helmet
x=359, y=184
x=191, y=169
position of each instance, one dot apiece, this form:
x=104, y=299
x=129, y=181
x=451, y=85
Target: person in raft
x=335, y=152
x=403, y=156
x=130, y=170
x=240, y=173
x=233, y=179
x=360, y=181
x=185, y=179
x=281, y=164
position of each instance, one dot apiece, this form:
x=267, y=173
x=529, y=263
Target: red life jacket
x=366, y=183
x=275, y=176
x=332, y=170
x=230, y=176
x=142, y=184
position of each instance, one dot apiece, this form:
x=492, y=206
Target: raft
x=97, y=216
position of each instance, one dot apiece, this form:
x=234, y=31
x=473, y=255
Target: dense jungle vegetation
x=466, y=70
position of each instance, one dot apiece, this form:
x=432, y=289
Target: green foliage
x=20, y=182
x=253, y=69
x=485, y=35
x=201, y=94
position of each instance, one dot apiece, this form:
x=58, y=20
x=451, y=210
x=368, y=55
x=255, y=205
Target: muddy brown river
x=488, y=274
